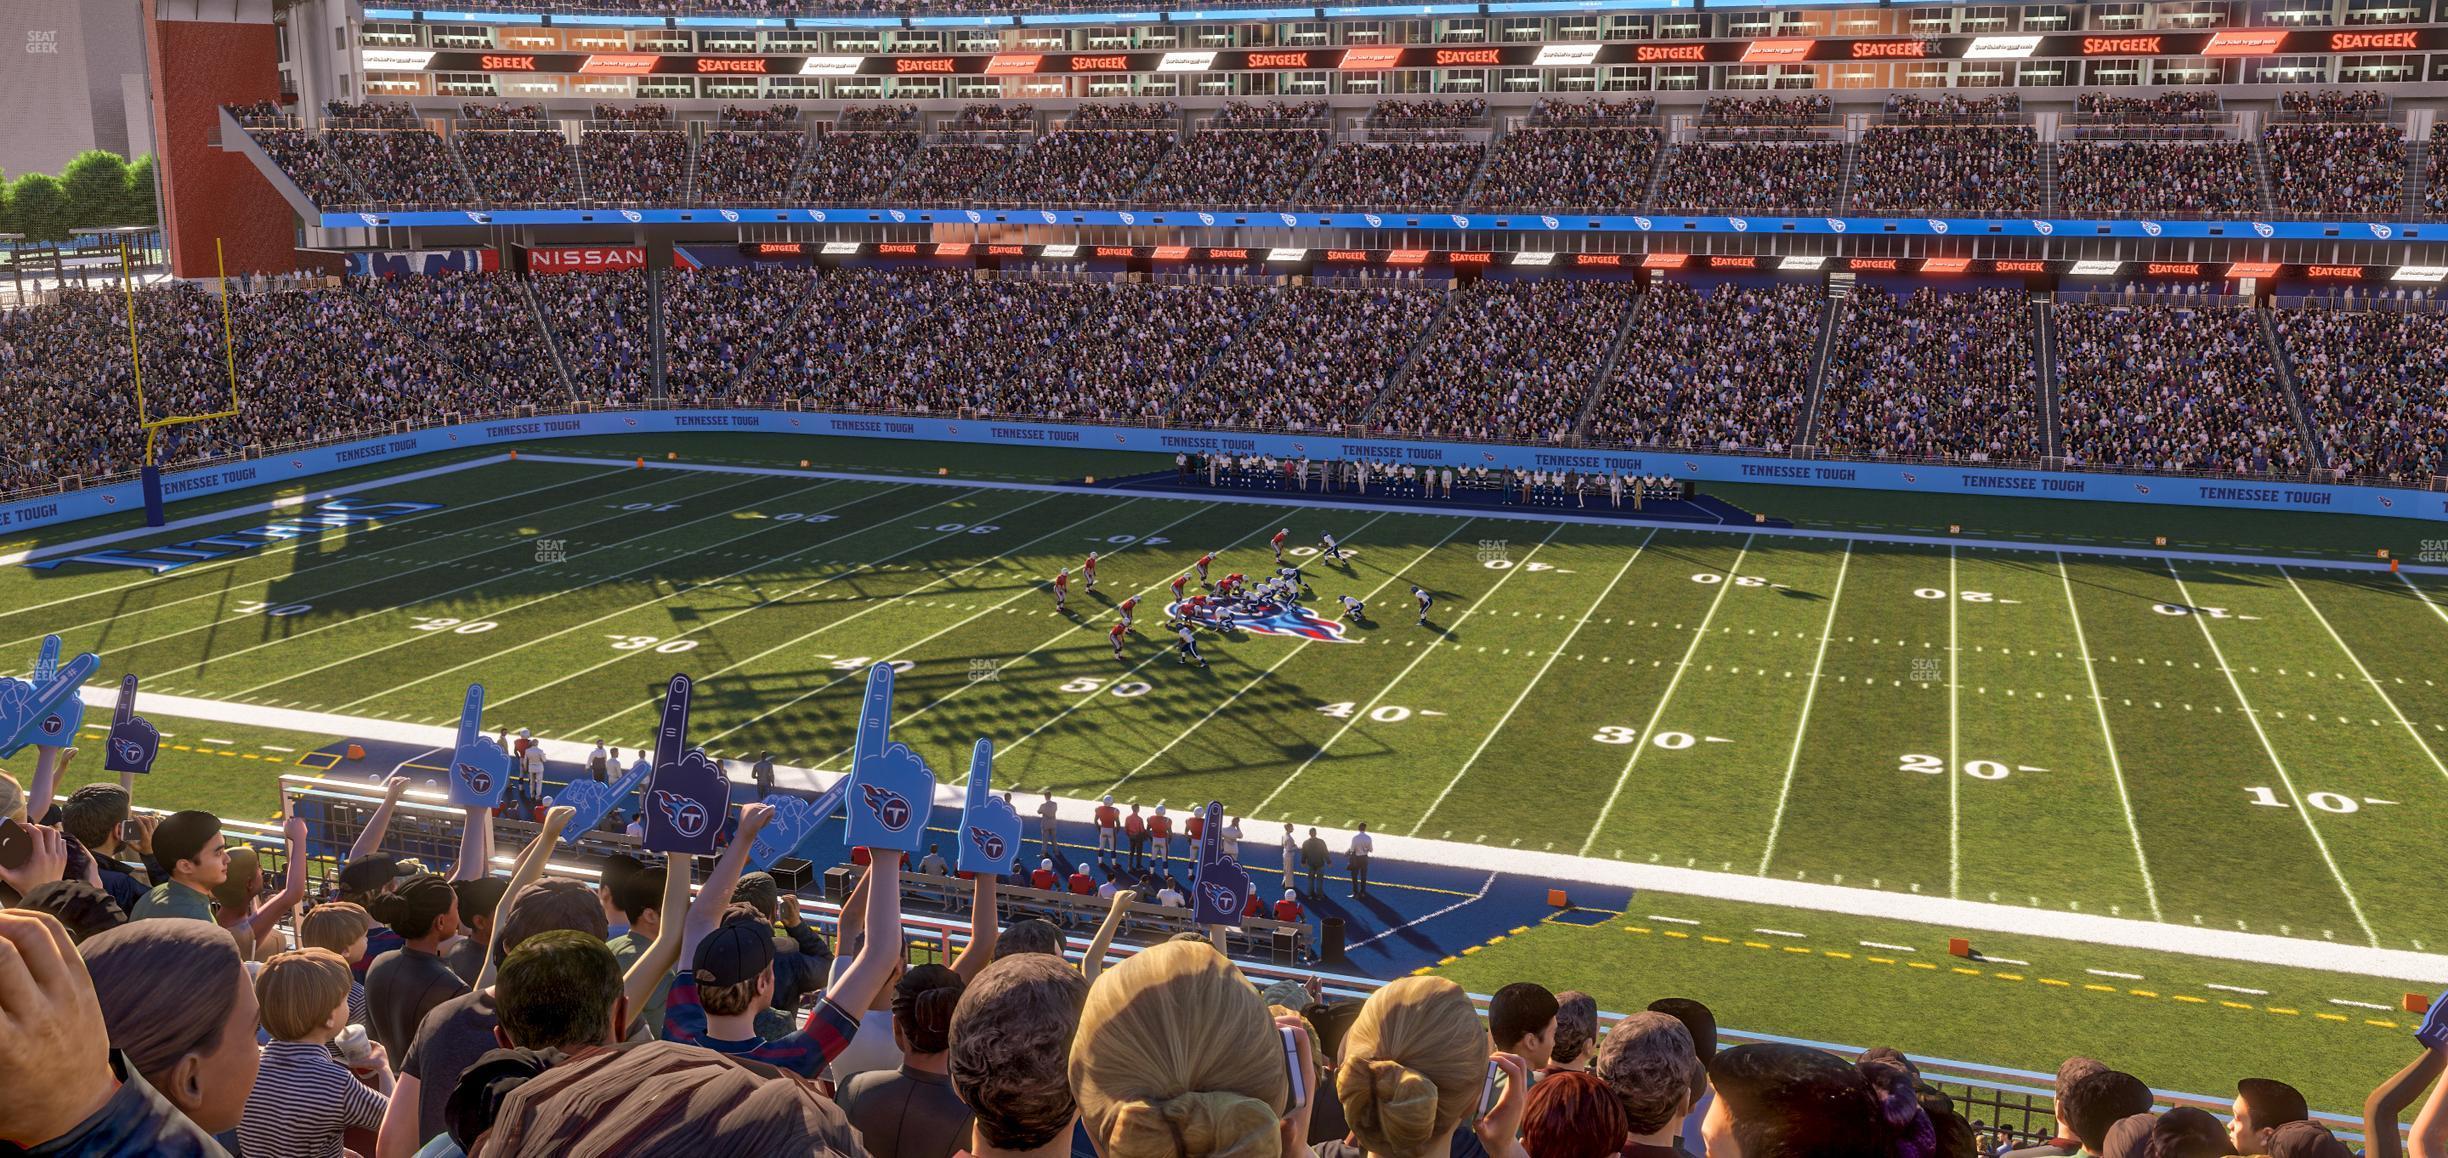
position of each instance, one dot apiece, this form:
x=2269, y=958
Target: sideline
x=1970, y=916
x=2034, y=546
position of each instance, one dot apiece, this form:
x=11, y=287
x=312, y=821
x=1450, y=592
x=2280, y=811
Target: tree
x=139, y=206
x=95, y=184
x=40, y=207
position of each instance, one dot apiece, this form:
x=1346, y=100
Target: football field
x=2238, y=746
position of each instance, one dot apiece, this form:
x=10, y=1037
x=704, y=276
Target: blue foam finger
x=47, y=710
x=794, y=820
x=591, y=800
x=688, y=797
x=892, y=791
x=1221, y=889
x=134, y=742
x=480, y=769
x=2434, y=1029
x=989, y=827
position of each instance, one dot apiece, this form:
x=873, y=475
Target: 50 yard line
x=2254, y=718
x=1641, y=744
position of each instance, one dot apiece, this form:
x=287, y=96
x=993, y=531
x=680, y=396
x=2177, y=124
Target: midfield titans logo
x=1268, y=617
x=688, y=817
x=889, y=807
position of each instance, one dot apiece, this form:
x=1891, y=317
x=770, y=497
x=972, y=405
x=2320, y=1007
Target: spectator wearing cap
x=673, y=1101
x=2262, y=1105
x=1699, y=1021
x=729, y=947
x=478, y=899
x=1573, y=1114
x=1576, y=1031
x=81, y=908
x=176, y=1001
x=340, y=927
x=1787, y=1099
x=2183, y=1132
x=912, y=1112
x=1649, y=1064
x=196, y=860
x=1009, y=1050
x=364, y=878
x=95, y=816
x=304, y=1099
x=2064, y=1144
x=459, y=1031
x=407, y=983
x=560, y=997
x=1522, y=1022
x=801, y=957
x=2094, y=1103
x=641, y=903
x=2305, y=1139
x=1175, y=1042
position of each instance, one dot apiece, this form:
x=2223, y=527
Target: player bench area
x=424, y=827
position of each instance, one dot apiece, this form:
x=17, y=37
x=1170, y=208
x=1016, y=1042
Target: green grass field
x=2242, y=747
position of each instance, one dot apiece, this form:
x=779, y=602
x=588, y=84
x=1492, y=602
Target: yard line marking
x=2238, y=989
x=1473, y=899
x=1888, y=947
x=2115, y=974
x=1085, y=700
x=1489, y=736
x=2116, y=767
x=1255, y=680
x=2284, y=778
x=811, y=634
x=1954, y=732
x=618, y=612
x=2365, y=672
x=1779, y=933
x=1810, y=692
x=1024, y=592
x=1362, y=713
x=2362, y=1005
x=470, y=585
x=2422, y=596
x=291, y=546
x=1673, y=920
x=1641, y=743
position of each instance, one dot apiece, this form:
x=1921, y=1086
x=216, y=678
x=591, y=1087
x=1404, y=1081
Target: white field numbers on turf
x=661, y=645
x=453, y=625
x=1127, y=689
x=958, y=528
x=281, y=611
x=1307, y=552
x=1671, y=741
x=1976, y=769
x=648, y=508
x=1126, y=540
x=1507, y=565
x=1712, y=578
x=1382, y=713
x=2325, y=801
x=800, y=517
x=1968, y=596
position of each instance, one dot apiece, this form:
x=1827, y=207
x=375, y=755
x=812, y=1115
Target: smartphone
x=16, y=844
x=1298, y=1073
x=1492, y=1091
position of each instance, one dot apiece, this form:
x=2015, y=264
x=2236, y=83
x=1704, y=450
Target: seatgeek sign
x=1415, y=220
x=56, y=510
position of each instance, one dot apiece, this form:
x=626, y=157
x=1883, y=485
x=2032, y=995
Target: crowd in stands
x=1728, y=370
x=1947, y=168
x=2156, y=178
x=877, y=115
x=371, y=114
x=1315, y=357
x=1576, y=168
x=1512, y=361
x=400, y=166
x=2353, y=171
x=1124, y=115
x=2167, y=106
x=857, y=167
x=1125, y=352
x=716, y=321
x=520, y=167
x=259, y=114
x=1016, y=117
x=641, y=166
x=1395, y=176
x=1566, y=112
x=1238, y=166
x=2435, y=177
x=2327, y=104
x=775, y=117
x=1080, y=166
x=1271, y=115
x=1428, y=113
x=501, y=114
x=1953, y=108
x=747, y=166
x=1813, y=109
x=318, y=174
x=952, y=172
x=632, y=114
x=1751, y=177
x=408, y=1011
x=1932, y=375
x=2374, y=384
x=2173, y=388
x=600, y=323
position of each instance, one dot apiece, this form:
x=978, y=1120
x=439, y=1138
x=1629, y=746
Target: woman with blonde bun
x=1177, y=1057
x=1414, y=1067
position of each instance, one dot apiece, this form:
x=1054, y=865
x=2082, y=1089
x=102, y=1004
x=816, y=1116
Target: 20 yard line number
x=1976, y=769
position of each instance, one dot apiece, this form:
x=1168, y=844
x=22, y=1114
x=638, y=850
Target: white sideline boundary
x=1970, y=916
x=239, y=512
x=1527, y=516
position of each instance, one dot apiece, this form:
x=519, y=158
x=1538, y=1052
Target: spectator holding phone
x=305, y=1099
